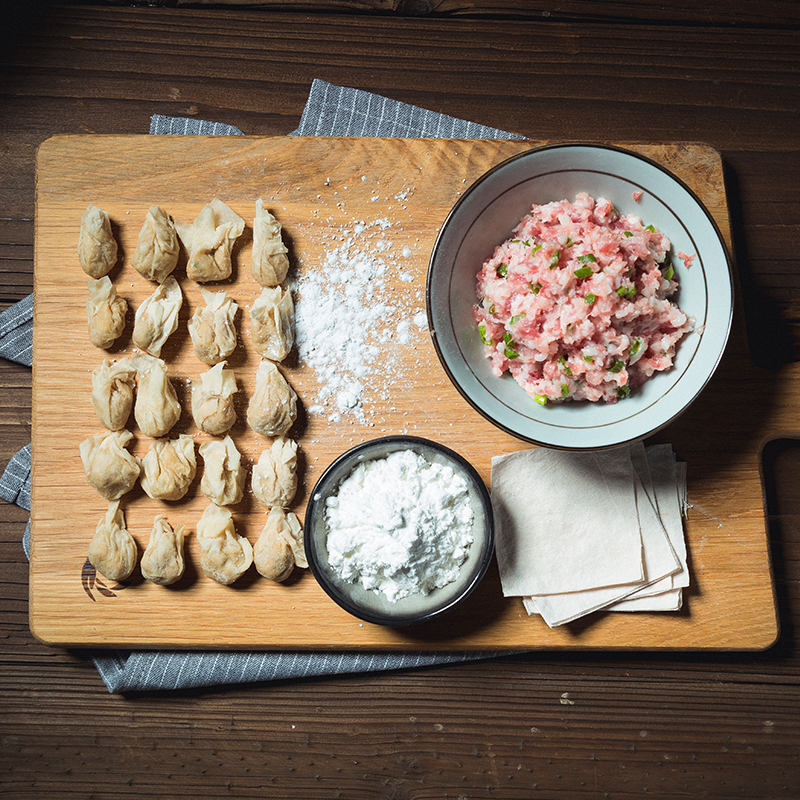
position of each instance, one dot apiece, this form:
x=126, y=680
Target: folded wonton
x=109, y=467
x=270, y=262
x=106, y=313
x=272, y=323
x=112, y=392
x=157, y=248
x=163, y=561
x=224, y=555
x=169, y=468
x=157, y=317
x=156, y=409
x=223, y=472
x=112, y=551
x=97, y=248
x=209, y=241
x=273, y=407
x=274, y=477
x=280, y=546
x=211, y=328
x=212, y=400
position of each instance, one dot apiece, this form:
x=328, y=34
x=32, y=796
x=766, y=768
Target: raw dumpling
x=273, y=407
x=272, y=323
x=157, y=249
x=156, y=409
x=209, y=241
x=212, y=329
x=109, y=467
x=113, y=551
x=223, y=472
x=157, y=317
x=280, y=546
x=224, y=555
x=162, y=562
x=106, y=312
x=169, y=468
x=270, y=262
x=212, y=400
x=97, y=248
x=274, y=477
x=112, y=392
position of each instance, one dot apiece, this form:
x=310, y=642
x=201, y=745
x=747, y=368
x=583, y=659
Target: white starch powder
x=346, y=313
x=400, y=525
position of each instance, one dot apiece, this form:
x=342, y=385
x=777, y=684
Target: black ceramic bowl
x=373, y=606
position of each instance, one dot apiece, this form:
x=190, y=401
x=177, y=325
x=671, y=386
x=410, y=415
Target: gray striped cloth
x=329, y=111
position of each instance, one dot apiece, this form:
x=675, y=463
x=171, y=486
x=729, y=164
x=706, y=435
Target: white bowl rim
x=722, y=333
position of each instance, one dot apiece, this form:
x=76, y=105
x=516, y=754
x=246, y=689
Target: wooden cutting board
x=389, y=196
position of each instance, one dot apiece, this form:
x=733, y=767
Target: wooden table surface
x=572, y=725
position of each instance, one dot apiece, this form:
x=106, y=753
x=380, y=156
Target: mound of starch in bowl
x=400, y=525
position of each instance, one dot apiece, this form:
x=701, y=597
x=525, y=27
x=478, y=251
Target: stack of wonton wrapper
x=577, y=532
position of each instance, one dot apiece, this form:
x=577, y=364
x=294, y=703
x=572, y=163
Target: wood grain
x=320, y=180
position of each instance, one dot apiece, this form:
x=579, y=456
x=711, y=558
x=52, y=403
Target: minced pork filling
x=577, y=305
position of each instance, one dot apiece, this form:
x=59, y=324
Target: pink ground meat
x=576, y=304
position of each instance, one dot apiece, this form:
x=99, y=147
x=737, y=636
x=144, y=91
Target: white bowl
x=484, y=217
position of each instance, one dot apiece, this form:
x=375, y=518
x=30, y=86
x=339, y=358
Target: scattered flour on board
x=346, y=313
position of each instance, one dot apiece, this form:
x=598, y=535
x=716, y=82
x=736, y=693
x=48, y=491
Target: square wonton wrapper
x=547, y=504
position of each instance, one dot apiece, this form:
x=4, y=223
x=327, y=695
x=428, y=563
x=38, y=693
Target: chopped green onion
x=588, y=359
x=628, y=233
x=535, y=287
x=650, y=228
x=517, y=318
x=586, y=258
x=589, y=298
x=583, y=272
x=569, y=242
x=502, y=271
x=623, y=391
x=509, y=351
x=669, y=273
x=563, y=361
x=492, y=308
x=540, y=399
x=554, y=259
x=526, y=242
x=482, y=332
x=616, y=366
x=536, y=248
x=628, y=292
x=564, y=390
x=637, y=345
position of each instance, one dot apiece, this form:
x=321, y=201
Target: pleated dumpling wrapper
x=224, y=474
x=273, y=406
x=97, y=247
x=270, y=260
x=156, y=409
x=274, y=477
x=112, y=551
x=212, y=327
x=272, y=323
x=209, y=242
x=112, y=392
x=106, y=312
x=280, y=546
x=169, y=467
x=157, y=317
x=212, y=400
x=224, y=555
x=109, y=467
x=158, y=247
x=163, y=561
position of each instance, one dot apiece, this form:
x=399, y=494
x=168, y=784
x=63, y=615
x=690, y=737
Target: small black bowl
x=373, y=606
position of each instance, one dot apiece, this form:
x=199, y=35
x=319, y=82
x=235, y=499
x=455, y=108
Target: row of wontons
x=170, y=465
